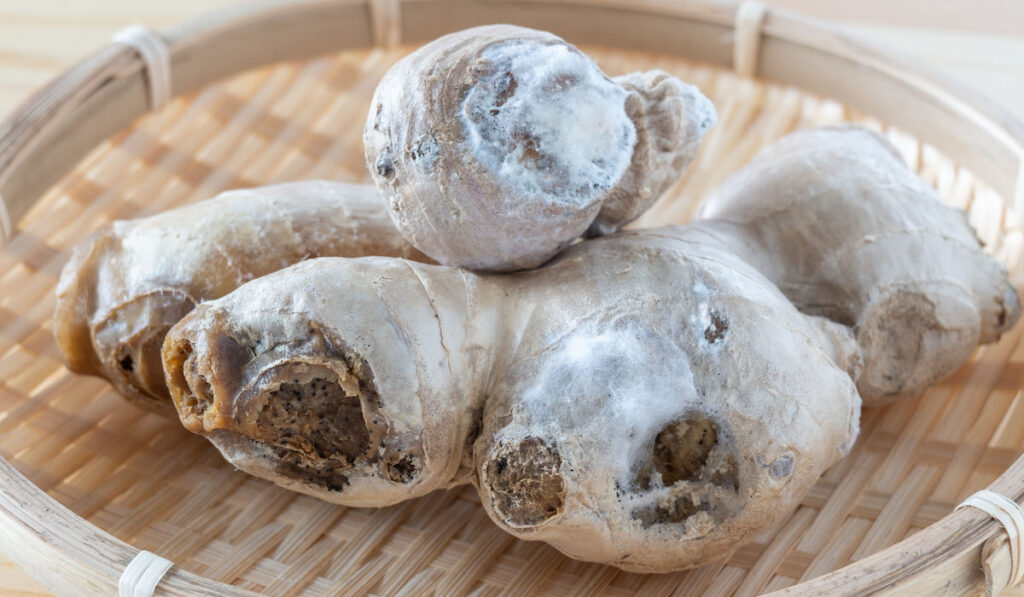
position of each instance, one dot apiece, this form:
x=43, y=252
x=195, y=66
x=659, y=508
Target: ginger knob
x=498, y=146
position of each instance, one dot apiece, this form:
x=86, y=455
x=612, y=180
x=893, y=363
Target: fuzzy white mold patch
x=615, y=389
x=706, y=321
x=700, y=116
x=548, y=123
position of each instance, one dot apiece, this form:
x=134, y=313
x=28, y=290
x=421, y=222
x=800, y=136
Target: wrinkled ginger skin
x=404, y=347
x=130, y=281
x=497, y=146
x=671, y=118
x=617, y=339
x=839, y=223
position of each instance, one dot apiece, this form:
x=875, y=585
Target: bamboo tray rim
x=54, y=128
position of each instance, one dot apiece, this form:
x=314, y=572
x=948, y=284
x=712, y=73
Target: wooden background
x=979, y=42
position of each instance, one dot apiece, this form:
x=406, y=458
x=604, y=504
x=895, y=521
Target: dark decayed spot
x=385, y=167
x=525, y=483
x=717, y=328
x=681, y=455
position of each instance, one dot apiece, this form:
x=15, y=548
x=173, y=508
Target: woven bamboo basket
x=276, y=92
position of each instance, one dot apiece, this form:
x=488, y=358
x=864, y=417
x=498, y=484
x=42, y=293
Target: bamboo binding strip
x=156, y=56
x=110, y=89
x=746, y=49
x=1011, y=516
x=142, y=575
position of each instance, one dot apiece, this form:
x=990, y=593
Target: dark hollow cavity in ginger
x=525, y=483
x=681, y=449
x=315, y=419
x=691, y=458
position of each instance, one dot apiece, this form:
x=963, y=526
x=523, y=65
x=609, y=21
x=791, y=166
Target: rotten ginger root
x=839, y=223
x=681, y=371
x=132, y=280
x=497, y=146
x=707, y=372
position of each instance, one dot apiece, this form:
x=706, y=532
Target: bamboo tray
x=276, y=92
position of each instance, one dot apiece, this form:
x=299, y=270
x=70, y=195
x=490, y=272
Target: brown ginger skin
x=681, y=370
x=497, y=146
x=839, y=223
x=126, y=285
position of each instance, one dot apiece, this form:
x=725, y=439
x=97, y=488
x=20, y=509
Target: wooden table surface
x=979, y=42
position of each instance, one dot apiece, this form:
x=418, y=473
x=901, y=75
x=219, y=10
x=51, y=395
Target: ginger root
x=839, y=223
x=498, y=146
x=669, y=414
x=352, y=380
x=131, y=281
x=671, y=118
x=648, y=399
x=648, y=402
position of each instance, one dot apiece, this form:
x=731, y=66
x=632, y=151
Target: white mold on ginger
x=498, y=146
x=548, y=124
x=663, y=412
x=648, y=375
